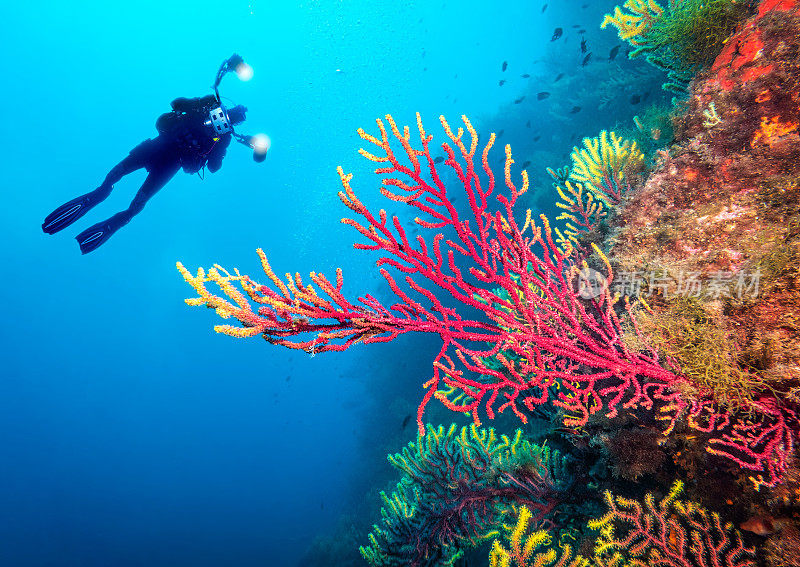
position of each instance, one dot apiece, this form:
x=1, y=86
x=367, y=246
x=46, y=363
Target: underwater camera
x=222, y=119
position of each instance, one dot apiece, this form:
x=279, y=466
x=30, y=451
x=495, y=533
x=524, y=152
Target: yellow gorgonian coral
x=607, y=154
x=532, y=549
x=644, y=12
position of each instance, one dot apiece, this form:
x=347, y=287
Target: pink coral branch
x=529, y=315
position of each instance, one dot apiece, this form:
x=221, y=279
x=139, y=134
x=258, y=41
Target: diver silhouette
x=194, y=135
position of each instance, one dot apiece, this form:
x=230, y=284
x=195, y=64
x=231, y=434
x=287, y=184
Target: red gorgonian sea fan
x=553, y=342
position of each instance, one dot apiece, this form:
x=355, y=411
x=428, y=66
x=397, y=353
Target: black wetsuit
x=183, y=141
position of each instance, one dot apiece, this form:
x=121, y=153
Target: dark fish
x=558, y=77
x=613, y=53
x=575, y=110
x=536, y=138
x=556, y=34
x=581, y=31
x=586, y=59
x=519, y=100
x=584, y=6
x=502, y=82
x=423, y=53
x=635, y=99
x=500, y=133
x=406, y=419
x=525, y=76
x=542, y=95
x=583, y=45
x=576, y=26
x=505, y=65
x=528, y=124
x=544, y=8
x=438, y=159
x=645, y=95
x=526, y=163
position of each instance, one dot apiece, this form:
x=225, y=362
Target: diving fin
x=94, y=236
x=69, y=212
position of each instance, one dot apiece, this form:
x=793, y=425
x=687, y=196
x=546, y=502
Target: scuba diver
x=194, y=135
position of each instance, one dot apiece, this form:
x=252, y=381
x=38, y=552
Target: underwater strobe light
x=236, y=64
x=244, y=71
x=260, y=144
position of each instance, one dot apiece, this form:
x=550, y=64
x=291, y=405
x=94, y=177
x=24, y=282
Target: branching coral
x=456, y=487
x=632, y=26
x=595, y=184
x=581, y=212
x=605, y=157
x=668, y=533
x=532, y=549
x=565, y=349
x=681, y=39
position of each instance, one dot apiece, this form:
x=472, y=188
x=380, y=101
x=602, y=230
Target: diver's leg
x=71, y=211
x=94, y=236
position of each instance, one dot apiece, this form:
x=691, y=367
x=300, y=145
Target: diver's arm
x=218, y=152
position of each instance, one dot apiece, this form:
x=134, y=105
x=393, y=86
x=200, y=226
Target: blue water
x=131, y=433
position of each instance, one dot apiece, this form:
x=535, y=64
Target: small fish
x=575, y=110
x=635, y=99
x=558, y=32
x=502, y=82
x=500, y=133
x=583, y=45
x=519, y=100
x=544, y=8
x=526, y=163
x=528, y=124
x=542, y=95
x=581, y=32
x=536, y=138
x=613, y=53
x=525, y=76
x=438, y=159
x=406, y=419
x=586, y=59
x=764, y=525
x=505, y=65
x=558, y=77
x=576, y=26
x=645, y=95
x=584, y=6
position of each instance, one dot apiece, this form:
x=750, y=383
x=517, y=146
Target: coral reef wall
x=716, y=225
